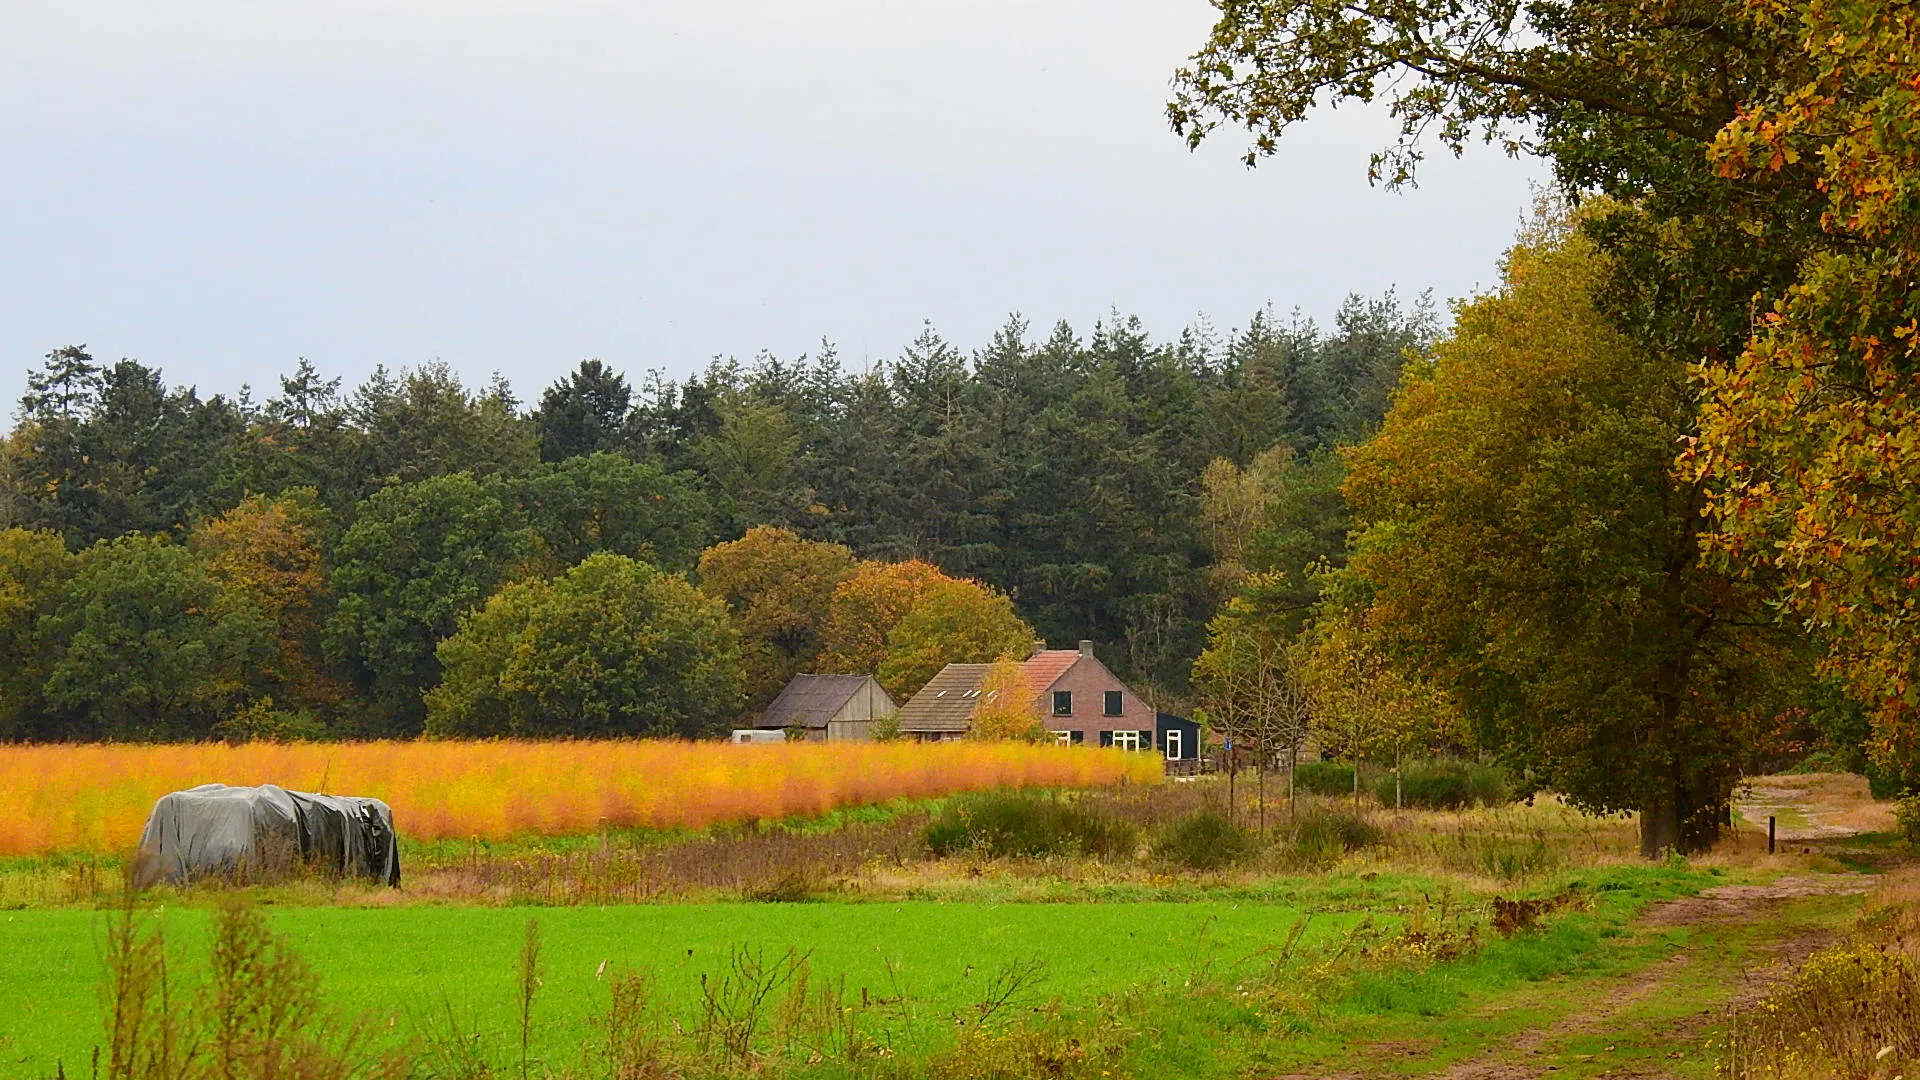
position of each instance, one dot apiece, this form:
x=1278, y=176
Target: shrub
x=1009, y=824
x=1882, y=784
x=1323, y=778
x=1841, y=1014
x=1319, y=837
x=1445, y=784
x=1906, y=815
x=1204, y=841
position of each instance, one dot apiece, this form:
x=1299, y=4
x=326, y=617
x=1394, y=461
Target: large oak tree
x=1529, y=547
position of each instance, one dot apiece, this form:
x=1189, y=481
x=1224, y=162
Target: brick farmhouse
x=1074, y=695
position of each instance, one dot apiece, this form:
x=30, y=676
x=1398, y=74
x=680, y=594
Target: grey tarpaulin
x=266, y=832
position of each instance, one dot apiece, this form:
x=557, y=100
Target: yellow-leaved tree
x=1006, y=704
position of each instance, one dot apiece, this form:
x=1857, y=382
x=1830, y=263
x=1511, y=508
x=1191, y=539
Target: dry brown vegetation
x=1485, y=850
x=1850, y=1011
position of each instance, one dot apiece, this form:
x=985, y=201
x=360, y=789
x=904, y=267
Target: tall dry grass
x=96, y=797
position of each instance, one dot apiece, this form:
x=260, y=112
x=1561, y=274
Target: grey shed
x=265, y=833
x=829, y=708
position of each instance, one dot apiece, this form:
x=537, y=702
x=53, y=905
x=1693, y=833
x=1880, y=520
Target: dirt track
x=1726, y=904
x=1811, y=810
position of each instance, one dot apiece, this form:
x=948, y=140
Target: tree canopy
x=611, y=647
x=1527, y=545
x=1763, y=229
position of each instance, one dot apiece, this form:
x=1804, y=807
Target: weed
x=1008, y=984
x=528, y=970
x=1513, y=916
x=1043, y=1047
x=793, y=887
x=144, y=1036
x=454, y=1050
x=1851, y=1011
x=257, y=1016
x=733, y=1006
x=630, y=1043
x=1513, y=859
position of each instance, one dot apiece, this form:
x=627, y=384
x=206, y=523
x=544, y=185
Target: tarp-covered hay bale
x=265, y=833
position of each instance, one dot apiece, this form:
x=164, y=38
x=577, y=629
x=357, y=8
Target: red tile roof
x=1045, y=668
x=947, y=703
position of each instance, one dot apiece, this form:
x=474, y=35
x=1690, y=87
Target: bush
x=1008, y=824
x=1906, y=815
x=1445, y=784
x=1884, y=785
x=1319, y=837
x=1204, y=841
x=1323, y=778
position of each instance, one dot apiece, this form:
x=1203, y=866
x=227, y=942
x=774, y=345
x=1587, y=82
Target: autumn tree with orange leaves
x=867, y=606
x=1810, y=439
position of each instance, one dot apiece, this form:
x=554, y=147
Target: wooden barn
x=828, y=708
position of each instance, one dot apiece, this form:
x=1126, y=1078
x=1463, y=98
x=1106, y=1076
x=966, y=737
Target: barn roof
x=812, y=700
x=946, y=702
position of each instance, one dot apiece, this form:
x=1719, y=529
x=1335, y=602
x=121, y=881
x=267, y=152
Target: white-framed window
x=1126, y=740
x=1061, y=737
x=1173, y=744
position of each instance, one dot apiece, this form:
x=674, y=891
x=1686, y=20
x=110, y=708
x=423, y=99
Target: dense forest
x=177, y=565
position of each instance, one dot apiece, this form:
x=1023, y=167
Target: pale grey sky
x=219, y=187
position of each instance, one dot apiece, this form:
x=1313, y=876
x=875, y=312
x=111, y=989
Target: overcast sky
x=219, y=187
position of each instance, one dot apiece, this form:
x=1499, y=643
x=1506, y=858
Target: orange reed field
x=96, y=797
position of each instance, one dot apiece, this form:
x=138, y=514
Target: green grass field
x=410, y=960
x=415, y=963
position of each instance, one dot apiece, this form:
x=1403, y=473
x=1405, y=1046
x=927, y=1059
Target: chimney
x=1086, y=648
x=1039, y=646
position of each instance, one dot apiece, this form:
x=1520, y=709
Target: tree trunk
x=1659, y=826
x=1293, y=768
x=1231, y=770
x=1681, y=819
x=1263, y=791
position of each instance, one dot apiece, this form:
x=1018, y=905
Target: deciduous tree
x=779, y=589
x=955, y=622
x=1004, y=711
x=603, y=502
x=1531, y=550
x=612, y=647
x=265, y=553
x=34, y=568
x=146, y=647
x=866, y=607
x=1811, y=439
x=416, y=558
